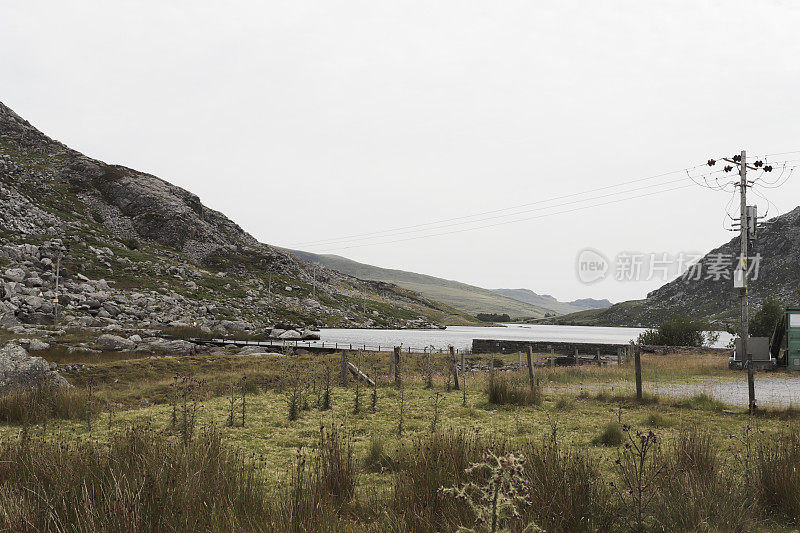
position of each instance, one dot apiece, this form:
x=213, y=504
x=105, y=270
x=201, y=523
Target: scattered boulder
x=166, y=346
x=115, y=343
x=19, y=369
x=37, y=345
x=290, y=335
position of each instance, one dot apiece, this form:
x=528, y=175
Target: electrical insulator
x=768, y=168
x=737, y=158
x=727, y=168
x=758, y=164
x=711, y=162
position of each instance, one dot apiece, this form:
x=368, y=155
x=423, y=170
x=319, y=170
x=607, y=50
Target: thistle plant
x=639, y=465
x=497, y=500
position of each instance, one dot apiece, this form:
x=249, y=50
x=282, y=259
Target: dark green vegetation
x=493, y=317
x=763, y=322
x=678, y=330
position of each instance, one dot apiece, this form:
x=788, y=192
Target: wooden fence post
x=531, y=375
x=397, y=366
x=454, y=366
x=343, y=376
x=598, y=357
x=463, y=368
x=552, y=357
x=491, y=363
x=638, y=361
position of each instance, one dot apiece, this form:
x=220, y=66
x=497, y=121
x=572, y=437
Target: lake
x=461, y=336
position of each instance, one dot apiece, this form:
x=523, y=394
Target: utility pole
x=58, y=279
x=745, y=235
x=747, y=230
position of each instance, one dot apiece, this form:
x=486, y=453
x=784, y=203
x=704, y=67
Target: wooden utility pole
x=454, y=366
x=745, y=235
x=344, y=370
x=58, y=280
x=397, y=379
x=531, y=375
x=638, y=363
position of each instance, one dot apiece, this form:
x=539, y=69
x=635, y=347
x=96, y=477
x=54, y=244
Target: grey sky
x=305, y=121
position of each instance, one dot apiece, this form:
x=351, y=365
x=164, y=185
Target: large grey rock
x=19, y=369
x=290, y=335
x=15, y=274
x=115, y=343
x=167, y=347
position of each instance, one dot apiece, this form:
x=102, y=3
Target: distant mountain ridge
x=464, y=297
x=549, y=302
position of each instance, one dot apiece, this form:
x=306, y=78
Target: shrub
x=512, y=388
x=610, y=436
x=763, y=322
x=678, y=330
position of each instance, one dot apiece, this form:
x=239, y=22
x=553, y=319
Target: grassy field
x=384, y=439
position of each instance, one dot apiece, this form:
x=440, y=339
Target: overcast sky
x=314, y=121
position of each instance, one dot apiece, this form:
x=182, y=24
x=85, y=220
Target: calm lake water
x=461, y=336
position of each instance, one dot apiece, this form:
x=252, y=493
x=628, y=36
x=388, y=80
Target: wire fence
x=327, y=345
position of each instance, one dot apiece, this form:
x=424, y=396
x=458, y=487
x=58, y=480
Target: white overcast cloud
x=309, y=121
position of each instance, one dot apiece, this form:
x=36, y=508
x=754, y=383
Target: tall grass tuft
x=696, y=493
x=427, y=464
x=610, y=436
x=141, y=481
x=334, y=466
x=567, y=490
x=41, y=402
x=512, y=388
x=777, y=472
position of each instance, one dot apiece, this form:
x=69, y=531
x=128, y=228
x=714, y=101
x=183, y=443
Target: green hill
x=465, y=298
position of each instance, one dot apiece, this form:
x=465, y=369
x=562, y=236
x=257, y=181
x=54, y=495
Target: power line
x=519, y=206
x=455, y=224
x=507, y=221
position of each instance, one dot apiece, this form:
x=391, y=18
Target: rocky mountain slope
x=714, y=297
x=467, y=298
x=102, y=244
x=549, y=302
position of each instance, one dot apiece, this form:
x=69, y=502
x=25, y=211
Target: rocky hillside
x=135, y=250
x=778, y=244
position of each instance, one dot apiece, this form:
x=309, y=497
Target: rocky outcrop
x=19, y=369
x=136, y=251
